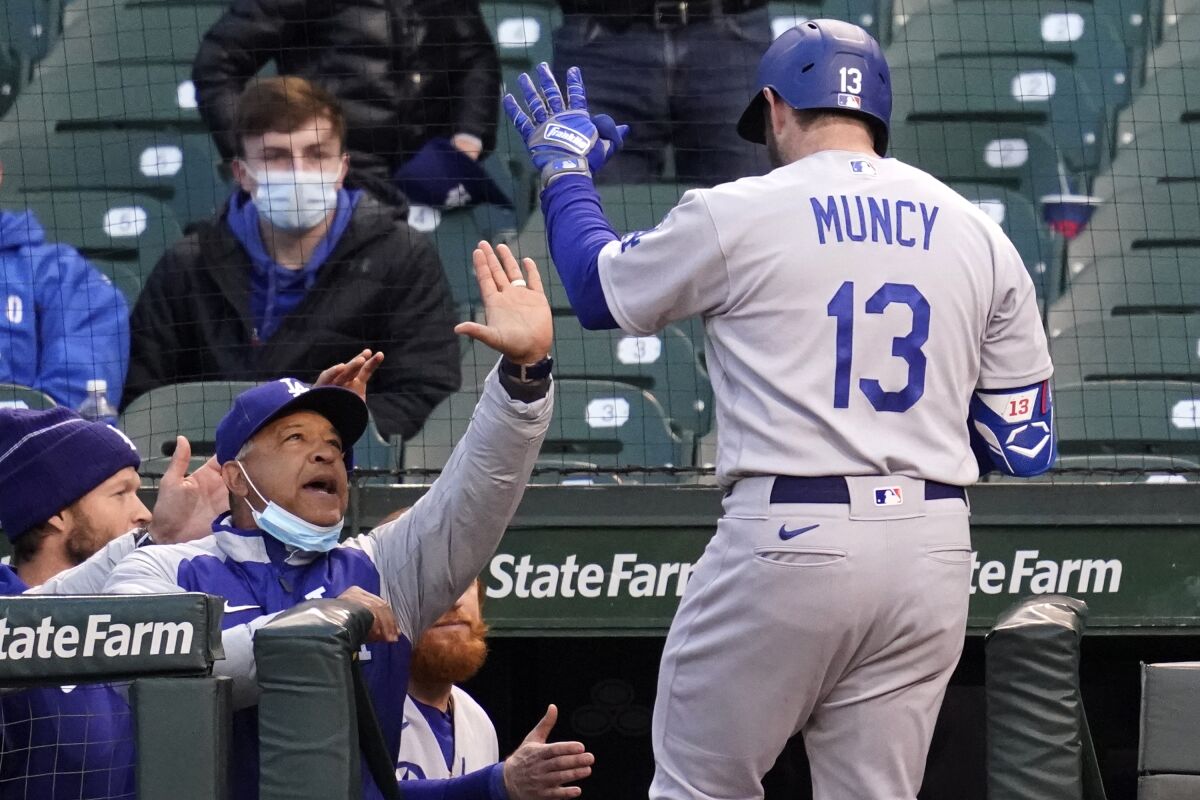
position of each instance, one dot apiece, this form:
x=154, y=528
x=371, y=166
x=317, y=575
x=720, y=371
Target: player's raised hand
x=538, y=771
x=519, y=324
x=562, y=137
x=187, y=504
x=354, y=374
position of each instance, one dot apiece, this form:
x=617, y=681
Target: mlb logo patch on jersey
x=849, y=101
x=860, y=166
x=889, y=496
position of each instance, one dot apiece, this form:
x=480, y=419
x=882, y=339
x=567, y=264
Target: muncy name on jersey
x=855, y=218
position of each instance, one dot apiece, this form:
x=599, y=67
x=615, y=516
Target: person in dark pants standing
x=677, y=72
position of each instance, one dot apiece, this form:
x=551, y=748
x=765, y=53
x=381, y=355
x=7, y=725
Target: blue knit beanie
x=50, y=459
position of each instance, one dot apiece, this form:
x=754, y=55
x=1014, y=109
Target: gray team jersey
x=852, y=304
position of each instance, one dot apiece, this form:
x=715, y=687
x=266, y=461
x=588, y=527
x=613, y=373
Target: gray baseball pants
x=848, y=631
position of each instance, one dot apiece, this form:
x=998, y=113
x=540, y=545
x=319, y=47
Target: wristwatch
x=527, y=373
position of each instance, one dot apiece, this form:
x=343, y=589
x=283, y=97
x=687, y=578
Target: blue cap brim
x=342, y=407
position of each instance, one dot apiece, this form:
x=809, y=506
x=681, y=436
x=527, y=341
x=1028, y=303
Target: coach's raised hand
x=563, y=138
x=519, y=324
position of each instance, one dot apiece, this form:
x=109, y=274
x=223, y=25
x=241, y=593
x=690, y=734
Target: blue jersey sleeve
x=482, y=784
x=83, y=328
x=577, y=231
x=1012, y=430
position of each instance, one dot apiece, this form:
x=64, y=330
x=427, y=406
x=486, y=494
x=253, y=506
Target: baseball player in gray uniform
x=874, y=343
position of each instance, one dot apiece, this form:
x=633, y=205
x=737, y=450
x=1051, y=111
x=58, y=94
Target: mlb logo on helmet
x=849, y=101
x=889, y=496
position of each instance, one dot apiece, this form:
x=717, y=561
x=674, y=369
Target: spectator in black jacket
x=406, y=72
x=297, y=272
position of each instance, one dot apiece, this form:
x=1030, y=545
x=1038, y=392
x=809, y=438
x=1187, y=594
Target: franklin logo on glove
x=576, y=141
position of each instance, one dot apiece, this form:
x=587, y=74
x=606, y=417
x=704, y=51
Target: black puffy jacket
x=405, y=71
x=382, y=287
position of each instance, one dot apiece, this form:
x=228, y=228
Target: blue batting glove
x=563, y=138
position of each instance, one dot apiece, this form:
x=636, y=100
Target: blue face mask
x=290, y=529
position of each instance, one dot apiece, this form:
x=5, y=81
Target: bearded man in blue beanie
x=69, y=505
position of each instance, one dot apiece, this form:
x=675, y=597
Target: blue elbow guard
x=1013, y=429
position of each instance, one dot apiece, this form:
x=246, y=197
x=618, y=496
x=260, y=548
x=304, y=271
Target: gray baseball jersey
x=852, y=305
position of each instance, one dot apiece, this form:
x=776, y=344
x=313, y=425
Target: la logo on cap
x=295, y=388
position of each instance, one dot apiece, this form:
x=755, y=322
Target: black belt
x=669, y=14
x=790, y=489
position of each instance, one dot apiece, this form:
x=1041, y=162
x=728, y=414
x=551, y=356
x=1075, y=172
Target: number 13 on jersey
x=907, y=347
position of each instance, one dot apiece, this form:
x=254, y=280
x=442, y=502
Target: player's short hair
x=281, y=104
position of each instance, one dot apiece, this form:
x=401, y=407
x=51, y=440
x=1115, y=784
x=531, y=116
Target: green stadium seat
x=126, y=65
x=664, y=364
x=1038, y=92
x=31, y=27
x=613, y=425
x=1018, y=217
x=14, y=74
x=14, y=396
x=1009, y=155
x=1086, y=36
x=1162, y=282
x=1172, y=14
x=1129, y=418
x=426, y=453
x=1160, y=121
x=1139, y=217
x=154, y=419
x=868, y=14
x=110, y=229
x=178, y=169
x=454, y=233
x=523, y=32
x=1133, y=347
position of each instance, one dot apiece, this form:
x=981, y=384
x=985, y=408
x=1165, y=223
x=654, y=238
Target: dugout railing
x=155, y=651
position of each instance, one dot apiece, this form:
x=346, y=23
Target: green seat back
x=1018, y=216
x=427, y=452
x=523, y=32
x=1086, y=36
x=611, y=424
x=153, y=420
x=455, y=234
x=867, y=14
x=1141, y=216
x=178, y=169
x=1148, y=282
x=31, y=27
x=1010, y=154
x=1035, y=91
x=1130, y=347
x=194, y=409
x=14, y=396
x=664, y=364
x=106, y=227
x=1129, y=418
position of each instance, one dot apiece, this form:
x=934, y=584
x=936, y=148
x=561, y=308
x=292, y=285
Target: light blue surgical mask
x=290, y=529
x=294, y=201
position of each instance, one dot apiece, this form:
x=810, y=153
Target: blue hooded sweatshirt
x=62, y=323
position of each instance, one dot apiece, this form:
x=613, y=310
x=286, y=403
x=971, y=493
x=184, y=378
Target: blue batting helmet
x=824, y=63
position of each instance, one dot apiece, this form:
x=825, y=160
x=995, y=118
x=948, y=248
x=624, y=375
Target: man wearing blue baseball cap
x=283, y=448
x=69, y=506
